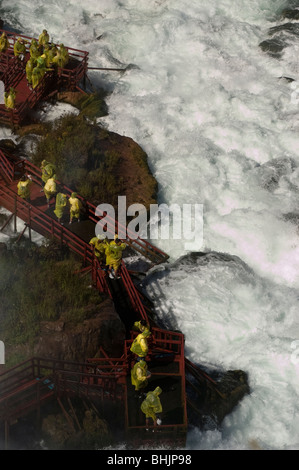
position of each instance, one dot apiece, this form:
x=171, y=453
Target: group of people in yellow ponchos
x=44, y=56
x=108, y=253
x=49, y=187
x=61, y=200
x=151, y=405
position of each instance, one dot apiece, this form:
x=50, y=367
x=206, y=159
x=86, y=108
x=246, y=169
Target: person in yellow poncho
x=140, y=375
x=100, y=244
x=139, y=345
x=19, y=48
x=48, y=170
x=24, y=186
x=59, y=60
x=50, y=189
x=60, y=205
x=64, y=53
x=34, y=49
x=44, y=38
x=31, y=63
x=152, y=406
x=75, y=207
x=4, y=43
x=52, y=53
x=39, y=71
x=46, y=55
x=10, y=98
x=114, y=257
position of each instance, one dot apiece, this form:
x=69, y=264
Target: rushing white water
x=220, y=129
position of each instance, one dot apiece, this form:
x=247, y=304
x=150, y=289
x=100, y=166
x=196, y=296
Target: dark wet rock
x=210, y=402
x=290, y=14
x=61, y=433
x=281, y=34
x=292, y=28
x=287, y=79
x=9, y=145
x=3, y=248
x=273, y=46
x=195, y=259
x=233, y=386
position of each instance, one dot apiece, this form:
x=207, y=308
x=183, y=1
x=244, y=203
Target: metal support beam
x=15, y=215
x=7, y=222
x=6, y=428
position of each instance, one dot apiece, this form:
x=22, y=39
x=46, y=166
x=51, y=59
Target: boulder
x=210, y=402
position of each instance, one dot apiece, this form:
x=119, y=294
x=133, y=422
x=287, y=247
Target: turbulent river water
x=219, y=123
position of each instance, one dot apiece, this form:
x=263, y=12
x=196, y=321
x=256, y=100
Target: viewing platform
x=13, y=74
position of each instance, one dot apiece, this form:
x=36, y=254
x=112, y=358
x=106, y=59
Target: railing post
x=38, y=405
x=84, y=259
x=61, y=237
x=6, y=426
x=29, y=223
x=15, y=215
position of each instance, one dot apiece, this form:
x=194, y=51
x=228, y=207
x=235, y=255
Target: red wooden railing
x=12, y=73
x=26, y=386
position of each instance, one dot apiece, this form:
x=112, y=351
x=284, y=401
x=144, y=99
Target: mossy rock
x=98, y=164
x=92, y=105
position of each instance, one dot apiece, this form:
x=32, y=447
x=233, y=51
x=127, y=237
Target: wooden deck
x=13, y=74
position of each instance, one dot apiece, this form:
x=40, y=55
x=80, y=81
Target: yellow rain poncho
x=52, y=53
x=59, y=60
x=152, y=404
x=9, y=99
x=48, y=170
x=139, y=375
x=34, y=49
x=140, y=345
x=75, y=207
x=4, y=43
x=24, y=188
x=64, y=53
x=31, y=63
x=100, y=247
x=19, y=47
x=43, y=38
x=39, y=71
x=46, y=55
x=50, y=189
x=37, y=75
x=60, y=205
x=114, y=254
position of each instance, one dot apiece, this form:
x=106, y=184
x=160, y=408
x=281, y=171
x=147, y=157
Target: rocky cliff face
x=77, y=343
